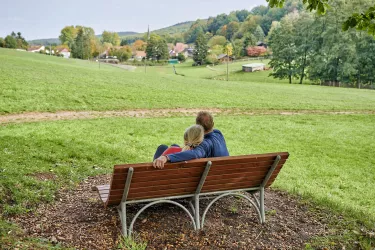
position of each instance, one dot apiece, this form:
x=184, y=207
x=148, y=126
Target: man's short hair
x=206, y=120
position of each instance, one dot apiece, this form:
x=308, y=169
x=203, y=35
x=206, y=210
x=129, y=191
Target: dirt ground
x=72, y=115
x=78, y=219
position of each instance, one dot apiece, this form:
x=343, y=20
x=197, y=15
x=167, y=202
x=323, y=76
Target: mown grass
x=32, y=82
x=330, y=156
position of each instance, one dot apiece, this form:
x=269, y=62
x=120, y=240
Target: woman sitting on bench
x=193, y=136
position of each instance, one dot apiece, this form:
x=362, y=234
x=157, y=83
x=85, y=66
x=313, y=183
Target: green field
x=330, y=164
x=30, y=82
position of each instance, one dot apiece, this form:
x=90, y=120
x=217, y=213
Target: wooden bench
x=204, y=178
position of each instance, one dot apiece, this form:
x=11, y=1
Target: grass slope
x=33, y=82
x=330, y=156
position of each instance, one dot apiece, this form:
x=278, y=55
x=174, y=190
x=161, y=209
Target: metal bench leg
x=261, y=205
x=198, y=191
x=196, y=211
x=264, y=184
x=122, y=213
x=122, y=209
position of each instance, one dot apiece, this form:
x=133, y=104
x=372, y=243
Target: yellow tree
x=139, y=45
x=228, y=49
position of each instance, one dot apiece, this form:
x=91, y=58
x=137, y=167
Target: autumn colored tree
x=228, y=49
x=256, y=51
x=139, y=45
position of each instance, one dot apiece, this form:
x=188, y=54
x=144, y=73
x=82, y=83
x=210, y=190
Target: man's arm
x=199, y=152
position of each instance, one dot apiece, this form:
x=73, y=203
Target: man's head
x=206, y=120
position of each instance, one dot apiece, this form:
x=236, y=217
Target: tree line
x=310, y=46
x=85, y=45
x=14, y=41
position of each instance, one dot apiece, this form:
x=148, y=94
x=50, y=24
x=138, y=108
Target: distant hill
x=46, y=41
x=131, y=35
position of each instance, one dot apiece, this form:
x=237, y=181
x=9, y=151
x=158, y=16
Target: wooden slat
x=250, y=181
x=145, y=167
x=146, y=193
x=182, y=178
x=214, y=167
x=186, y=172
x=218, y=160
x=190, y=183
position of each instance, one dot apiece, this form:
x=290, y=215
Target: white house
x=36, y=48
x=65, y=52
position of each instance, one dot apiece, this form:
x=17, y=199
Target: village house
x=36, y=49
x=65, y=52
x=178, y=49
x=224, y=58
x=139, y=55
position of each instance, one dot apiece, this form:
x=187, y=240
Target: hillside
x=327, y=131
x=170, y=30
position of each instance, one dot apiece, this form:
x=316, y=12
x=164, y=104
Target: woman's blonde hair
x=193, y=136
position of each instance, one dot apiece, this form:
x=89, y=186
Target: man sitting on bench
x=213, y=144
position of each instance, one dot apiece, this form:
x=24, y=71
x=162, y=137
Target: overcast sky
x=44, y=19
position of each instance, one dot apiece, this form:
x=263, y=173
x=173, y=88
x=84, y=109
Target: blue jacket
x=213, y=145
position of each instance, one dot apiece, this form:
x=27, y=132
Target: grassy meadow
x=330, y=163
x=33, y=82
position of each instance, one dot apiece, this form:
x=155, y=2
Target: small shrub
x=130, y=244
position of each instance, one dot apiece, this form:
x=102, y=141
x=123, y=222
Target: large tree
x=68, y=34
x=84, y=44
x=284, y=50
x=157, y=48
x=111, y=37
x=361, y=19
x=201, y=49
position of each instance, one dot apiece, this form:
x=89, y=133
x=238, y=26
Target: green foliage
x=232, y=28
x=2, y=42
x=259, y=34
x=200, y=49
x=181, y=57
x=111, y=37
x=124, y=42
x=242, y=15
x=319, y=5
x=68, y=34
x=14, y=41
x=196, y=28
x=10, y=42
x=83, y=46
x=157, y=48
x=211, y=59
x=218, y=22
x=217, y=40
x=361, y=21
x=130, y=244
x=317, y=48
x=284, y=51
x=123, y=53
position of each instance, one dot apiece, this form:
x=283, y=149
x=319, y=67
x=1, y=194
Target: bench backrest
x=177, y=179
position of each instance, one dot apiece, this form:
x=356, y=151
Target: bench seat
x=213, y=177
